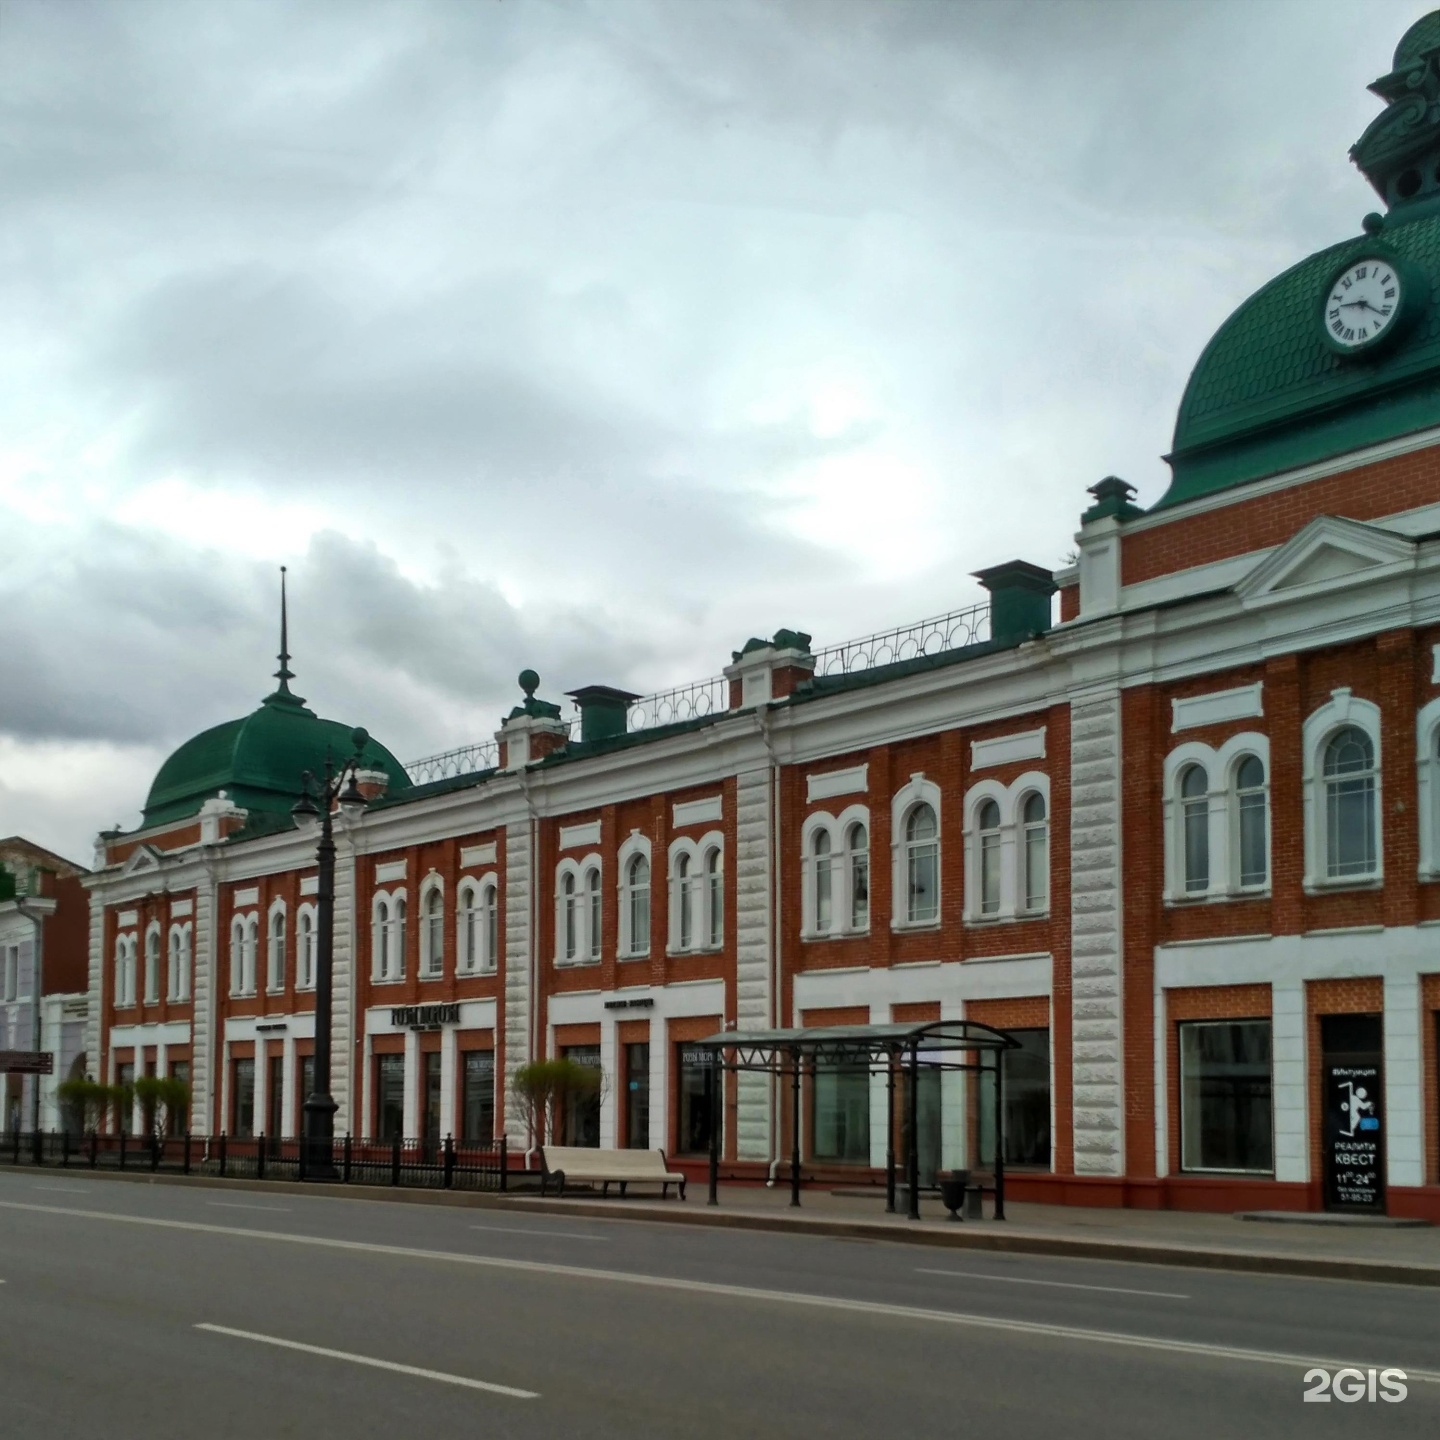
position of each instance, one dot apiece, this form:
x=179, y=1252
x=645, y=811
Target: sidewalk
x=1404, y=1256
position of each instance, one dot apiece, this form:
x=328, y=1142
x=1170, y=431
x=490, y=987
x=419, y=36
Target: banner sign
x=1352, y=1137
x=426, y=1017
x=27, y=1062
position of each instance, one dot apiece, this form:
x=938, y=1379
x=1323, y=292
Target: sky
x=593, y=336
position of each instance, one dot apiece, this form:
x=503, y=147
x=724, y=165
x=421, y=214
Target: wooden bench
x=574, y=1164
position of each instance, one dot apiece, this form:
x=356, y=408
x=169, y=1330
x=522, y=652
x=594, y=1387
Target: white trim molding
x=1222, y=801
x=1006, y=749
x=1244, y=702
x=697, y=812
x=1343, y=709
x=829, y=783
x=577, y=837
x=1005, y=841
x=907, y=799
x=835, y=884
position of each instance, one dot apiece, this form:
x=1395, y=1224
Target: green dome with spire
x=259, y=760
x=1271, y=392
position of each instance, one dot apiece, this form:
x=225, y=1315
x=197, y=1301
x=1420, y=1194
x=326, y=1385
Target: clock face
x=1362, y=304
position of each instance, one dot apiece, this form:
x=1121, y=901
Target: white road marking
x=541, y=1234
x=1058, y=1284
x=236, y=1205
x=440, y=1375
x=731, y=1292
x=65, y=1189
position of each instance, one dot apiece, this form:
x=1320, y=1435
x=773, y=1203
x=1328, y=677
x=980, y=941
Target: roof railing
x=711, y=696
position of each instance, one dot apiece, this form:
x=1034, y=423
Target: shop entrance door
x=1352, y=1076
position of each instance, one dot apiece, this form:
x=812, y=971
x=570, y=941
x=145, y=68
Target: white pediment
x=142, y=858
x=1328, y=553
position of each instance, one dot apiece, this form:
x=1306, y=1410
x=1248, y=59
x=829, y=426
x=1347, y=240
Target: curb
x=958, y=1237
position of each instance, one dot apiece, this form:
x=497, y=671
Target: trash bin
x=952, y=1191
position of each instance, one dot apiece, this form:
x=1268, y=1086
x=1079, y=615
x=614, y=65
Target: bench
x=574, y=1164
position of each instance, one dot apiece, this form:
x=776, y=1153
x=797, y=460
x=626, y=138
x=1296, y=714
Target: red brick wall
x=1364, y=493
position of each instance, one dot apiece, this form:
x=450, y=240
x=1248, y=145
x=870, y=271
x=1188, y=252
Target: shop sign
x=696, y=1058
x=426, y=1017
x=1352, y=1133
x=27, y=1062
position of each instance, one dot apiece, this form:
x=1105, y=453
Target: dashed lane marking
x=1056, y=1284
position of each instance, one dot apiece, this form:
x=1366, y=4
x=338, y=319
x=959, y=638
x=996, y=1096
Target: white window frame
x=1342, y=709
x=592, y=903
x=275, y=956
x=431, y=966
x=12, y=972
x=389, y=913
x=635, y=844
x=915, y=791
x=177, y=986
x=1427, y=779
x=695, y=850
x=244, y=942
x=307, y=945
x=1010, y=801
x=477, y=896
x=1221, y=766
x=126, y=949
x=152, y=963
x=576, y=869
x=842, y=876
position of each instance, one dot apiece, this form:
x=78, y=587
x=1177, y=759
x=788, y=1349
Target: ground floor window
x=1026, y=1102
x=242, y=1097
x=637, y=1096
x=275, y=1097
x=477, y=1099
x=390, y=1097
x=306, y=1088
x=125, y=1080
x=582, y=1110
x=430, y=1097
x=1226, y=1119
x=180, y=1118
x=696, y=1076
x=840, y=1112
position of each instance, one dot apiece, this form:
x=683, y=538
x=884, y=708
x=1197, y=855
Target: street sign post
x=27, y=1062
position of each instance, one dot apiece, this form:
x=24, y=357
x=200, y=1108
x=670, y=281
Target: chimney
x=1019, y=599
x=767, y=670
x=603, y=711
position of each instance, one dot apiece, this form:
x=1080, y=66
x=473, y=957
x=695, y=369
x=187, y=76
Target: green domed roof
x=258, y=761
x=1422, y=37
x=1269, y=393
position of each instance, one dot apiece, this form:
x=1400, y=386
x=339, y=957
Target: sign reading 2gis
x=1352, y=1137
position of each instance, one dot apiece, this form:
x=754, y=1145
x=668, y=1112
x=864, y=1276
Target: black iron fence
x=430, y=1164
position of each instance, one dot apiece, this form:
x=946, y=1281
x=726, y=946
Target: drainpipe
x=776, y=911
x=36, y=992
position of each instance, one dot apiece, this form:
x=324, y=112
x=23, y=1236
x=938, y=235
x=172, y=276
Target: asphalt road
x=157, y=1311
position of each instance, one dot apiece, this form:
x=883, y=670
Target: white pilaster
x=411, y=1123
x=754, y=870
x=519, y=874
x=1404, y=1083
x=1288, y=1069
x=1096, y=939
x=449, y=1082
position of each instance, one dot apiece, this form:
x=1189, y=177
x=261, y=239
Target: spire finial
x=284, y=674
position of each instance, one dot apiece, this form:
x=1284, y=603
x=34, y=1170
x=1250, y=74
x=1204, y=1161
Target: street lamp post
x=320, y=1106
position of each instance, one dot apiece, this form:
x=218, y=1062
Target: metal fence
x=426, y=1164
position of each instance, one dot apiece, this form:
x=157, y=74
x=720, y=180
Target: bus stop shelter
x=891, y=1050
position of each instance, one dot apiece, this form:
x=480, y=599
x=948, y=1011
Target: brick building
x=1170, y=816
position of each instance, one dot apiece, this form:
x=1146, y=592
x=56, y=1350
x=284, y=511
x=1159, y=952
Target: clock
x=1363, y=304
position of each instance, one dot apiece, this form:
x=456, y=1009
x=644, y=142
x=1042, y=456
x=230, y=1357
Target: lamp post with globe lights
x=341, y=789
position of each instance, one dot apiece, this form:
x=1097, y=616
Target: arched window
x=275, y=960
x=380, y=926
x=397, y=947
x=468, y=938
x=857, y=865
x=432, y=959
x=1252, y=823
x=152, y=965
x=685, y=881
x=922, y=864
x=122, y=982
x=172, y=971
x=714, y=900
x=987, y=824
x=1350, y=829
x=489, y=926
x=1195, y=828
x=305, y=949
x=822, y=878
x=635, y=905
x=237, y=957
x=388, y=925
x=592, y=912
x=570, y=917
x=1035, y=854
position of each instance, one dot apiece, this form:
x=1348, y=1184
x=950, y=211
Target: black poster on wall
x=1354, y=1152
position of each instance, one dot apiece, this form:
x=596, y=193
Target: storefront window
x=696, y=1073
x=274, y=1099
x=1225, y=1096
x=478, y=1099
x=390, y=1096
x=180, y=1117
x=637, y=1096
x=1027, y=1102
x=242, y=1098
x=582, y=1109
x=430, y=1097
x=125, y=1079
x=306, y=1088
x=841, y=1113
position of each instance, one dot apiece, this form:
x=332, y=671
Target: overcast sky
x=595, y=337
